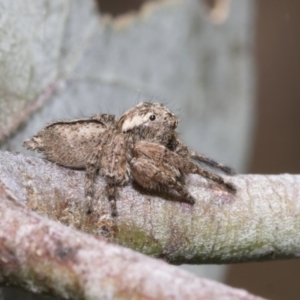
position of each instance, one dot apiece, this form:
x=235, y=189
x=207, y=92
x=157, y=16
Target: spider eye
x=152, y=117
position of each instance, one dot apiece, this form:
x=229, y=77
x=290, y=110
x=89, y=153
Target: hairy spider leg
x=210, y=162
x=91, y=172
x=213, y=177
x=188, y=167
x=111, y=194
x=164, y=156
x=153, y=175
x=90, y=175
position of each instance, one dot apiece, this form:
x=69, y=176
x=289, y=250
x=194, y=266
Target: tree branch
x=260, y=222
x=45, y=256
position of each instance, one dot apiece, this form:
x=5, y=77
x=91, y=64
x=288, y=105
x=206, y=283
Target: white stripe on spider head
x=135, y=121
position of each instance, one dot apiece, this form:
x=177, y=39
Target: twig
x=260, y=222
x=23, y=114
x=45, y=256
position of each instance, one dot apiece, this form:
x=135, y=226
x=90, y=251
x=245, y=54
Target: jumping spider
x=142, y=147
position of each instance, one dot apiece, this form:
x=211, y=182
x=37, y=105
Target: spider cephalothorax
x=142, y=147
x=148, y=121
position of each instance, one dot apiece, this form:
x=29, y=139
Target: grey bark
x=260, y=222
x=44, y=256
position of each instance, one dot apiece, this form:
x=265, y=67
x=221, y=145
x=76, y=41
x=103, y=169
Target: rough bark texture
x=44, y=256
x=260, y=222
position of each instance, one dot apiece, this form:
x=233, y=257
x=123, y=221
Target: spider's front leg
x=109, y=157
x=155, y=155
x=210, y=162
x=152, y=172
x=111, y=191
x=90, y=177
x=188, y=167
x=182, y=150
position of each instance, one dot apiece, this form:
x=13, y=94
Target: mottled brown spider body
x=142, y=146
